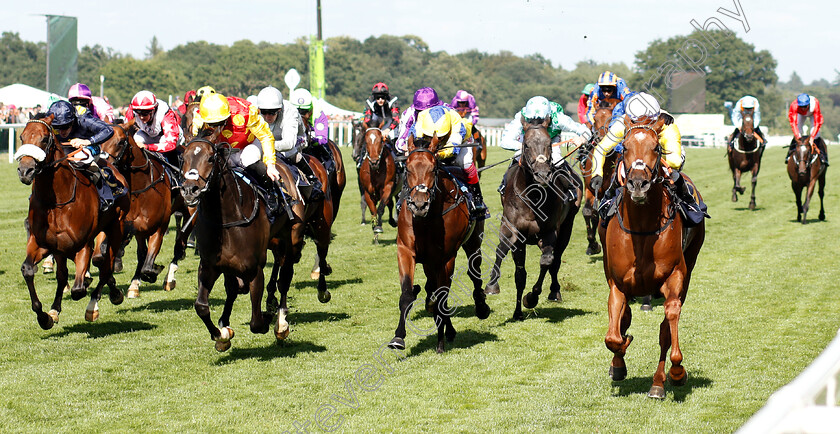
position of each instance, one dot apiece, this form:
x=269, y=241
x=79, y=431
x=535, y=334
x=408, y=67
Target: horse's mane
x=39, y=115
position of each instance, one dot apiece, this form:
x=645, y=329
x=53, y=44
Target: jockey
x=424, y=98
x=289, y=133
x=189, y=97
x=317, y=127
x=158, y=127
x=241, y=124
x=86, y=133
x=380, y=107
x=199, y=95
x=446, y=122
x=539, y=107
x=644, y=107
x=463, y=100
x=81, y=98
x=806, y=106
x=582, y=104
x=747, y=102
x=609, y=86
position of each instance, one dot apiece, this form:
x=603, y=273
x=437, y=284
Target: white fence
x=808, y=404
x=12, y=138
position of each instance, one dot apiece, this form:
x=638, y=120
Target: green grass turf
x=762, y=305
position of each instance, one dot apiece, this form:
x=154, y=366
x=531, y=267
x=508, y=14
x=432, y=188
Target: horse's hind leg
x=82, y=261
x=669, y=338
x=442, y=310
x=797, y=193
x=736, y=189
x=520, y=276
x=563, y=237
x=179, y=251
x=150, y=270
x=508, y=238
x=821, y=192
x=207, y=276
x=142, y=252
x=286, y=272
x=405, y=261
x=753, y=181
x=61, y=275
x=474, y=257
x=260, y=322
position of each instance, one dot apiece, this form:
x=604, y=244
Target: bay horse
x=378, y=179
x=152, y=204
x=233, y=233
x=805, y=170
x=434, y=223
x=600, y=128
x=745, y=156
x=647, y=251
x=538, y=210
x=64, y=219
x=337, y=182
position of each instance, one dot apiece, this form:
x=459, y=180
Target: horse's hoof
x=482, y=311
x=618, y=374
x=222, y=346
x=593, y=249
x=657, y=392
x=327, y=270
x=518, y=316
x=492, y=289
x=324, y=297
x=97, y=260
x=281, y=330
x=48, y=269
x=555, y=297
x=148, y=276
x=546, y=259
x=118, y=265
x=169, y=286
x=450, y=334
x=646, y=307
x=752, y=206
x=396, y=344
x=529, y=301
x=377, y=229
x=116, y=296
x=315, y=275
x=734, y=197
x=440, y=348
x=77, y=294
x=133, y=289
x=54, y=315
x=677, y=381
x=822, y=216
x=45, y=321
x=271, y=304
x=91, y=315
x=392, y=222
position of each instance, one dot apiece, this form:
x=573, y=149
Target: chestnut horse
x=647, y=251
x=337, y=182
x=63, y=220
x=805, y=169
x=434, y=223
x=233, y=233
x=378, y=179
x=600, y=128
x=538, y=210
x=745, y=156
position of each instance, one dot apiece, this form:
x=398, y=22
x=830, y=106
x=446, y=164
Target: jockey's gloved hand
x=596, y=182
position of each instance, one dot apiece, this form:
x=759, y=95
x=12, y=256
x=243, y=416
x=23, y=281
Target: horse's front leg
x=408, y=294
x=322, y=237
x=142, y=252
x=150, y=270
x=617, y=340
x=520, y=276
x=753, y=181
x=736, y=177
x=82, y=261
x=34, y=254
x=61, y=275
x=207, y=276
x=260, y=322
x=669, y=338
x=281, y=326
x=797, y=193
x=821, y=192
x=808, y=194
x=508, y=238
x=443, y=313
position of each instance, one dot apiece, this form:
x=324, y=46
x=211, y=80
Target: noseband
x=654, y=173
x=423, y=188
x=39, y=164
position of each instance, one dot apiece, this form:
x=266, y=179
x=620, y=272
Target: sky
x=802, y=37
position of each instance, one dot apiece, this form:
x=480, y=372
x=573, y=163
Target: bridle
x=40, y=166
x=374, y=166
x=811, y=156
x=193, y=174
x=655, y=172
x=423, y=188
x=542, y=158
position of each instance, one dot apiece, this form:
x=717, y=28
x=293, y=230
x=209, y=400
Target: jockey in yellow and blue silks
x=608, y=86
x=644, y=107
x=442, y=121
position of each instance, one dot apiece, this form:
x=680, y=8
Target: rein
x=434, y=188
x=55, y=163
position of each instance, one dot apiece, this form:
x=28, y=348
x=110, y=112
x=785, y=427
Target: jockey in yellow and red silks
x=441, y=121
x=608, y=86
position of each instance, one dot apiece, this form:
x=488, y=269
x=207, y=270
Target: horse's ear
x=523, y=121
x=546, y=122
x=410, y=142
x=49, y=119
x=433, y=145
x=364, y=125
x=659, y=124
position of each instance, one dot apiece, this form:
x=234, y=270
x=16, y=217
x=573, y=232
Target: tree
x=732, y=67
x=22, y=62
x=154, y=48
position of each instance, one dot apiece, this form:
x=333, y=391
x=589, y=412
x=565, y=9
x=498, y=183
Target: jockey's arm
x=171, y=134
x=607, y=144
x=101, y=132
x=290, y=127
x=565, y=123
x=406, y=121
x=671, y=142
x=757, y=115
x=792, y=118
x=818, y=118
x=460, y=128
x=259, y=128
x=512, y=134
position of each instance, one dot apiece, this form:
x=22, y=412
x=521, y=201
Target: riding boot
x=681, y=187
x=317, y=188
x=479, y=209
x=258, y=169
x=823, y=153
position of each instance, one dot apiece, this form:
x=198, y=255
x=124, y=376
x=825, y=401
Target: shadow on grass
x=746, y=208
x=276, y=349
x=331, y=283
x=641, y=385
x=551, y=312
x=176, y=304
x=101, y=329
x=809, y=220
x=464, y=339
x=385, y=241
x=596, y=258
x=303, y=317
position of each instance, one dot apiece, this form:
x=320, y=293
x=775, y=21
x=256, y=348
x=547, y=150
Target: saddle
x=174, y=173
x=282, y=194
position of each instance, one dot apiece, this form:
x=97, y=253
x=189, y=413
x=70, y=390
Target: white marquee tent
x=22, y=95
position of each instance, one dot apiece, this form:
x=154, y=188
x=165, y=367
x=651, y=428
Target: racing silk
x=288, y=131
x=103, y=109
x=320, y=126
x=389, y=111
x=621, y=92
x=164, y=129
x=243, y=126
x=462, y=95
x=798, y=118
x=91, y=128
x=409, y=116
x=582, y=108
x=514, y=131
x=669, y=139
x=735, y=115
x=459, y=129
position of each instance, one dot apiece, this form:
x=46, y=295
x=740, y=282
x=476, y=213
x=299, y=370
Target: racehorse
x=233, y=233
x=647, y=251
x=805, y=169
x=434, y=223
x=378, y=179
x=64, y=219
x=600, y=128
x=746, y=156
x=337, y=181
x=538, y=210
x=152, y=204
